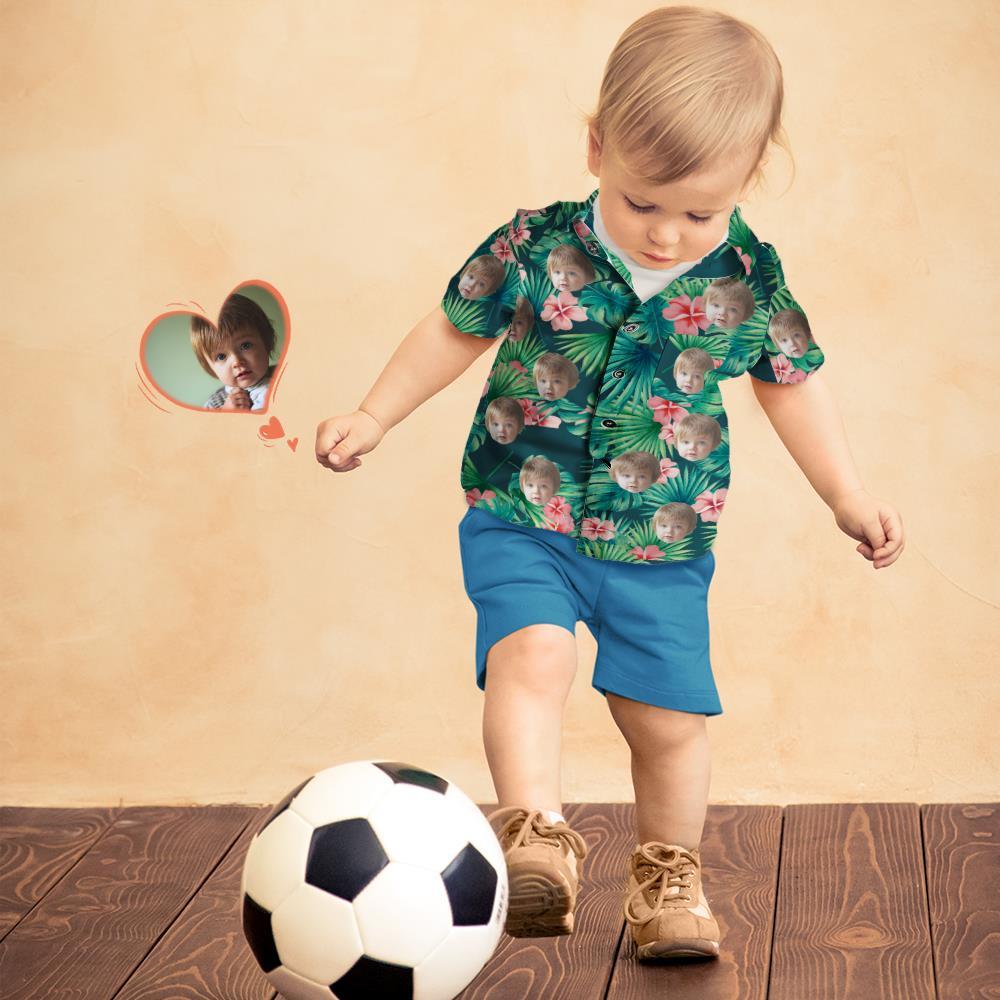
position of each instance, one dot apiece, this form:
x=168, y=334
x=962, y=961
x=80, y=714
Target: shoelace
x=537, y=829
x=673, y=867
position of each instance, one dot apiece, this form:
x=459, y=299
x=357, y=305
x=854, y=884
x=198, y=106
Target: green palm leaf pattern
x=624, y=351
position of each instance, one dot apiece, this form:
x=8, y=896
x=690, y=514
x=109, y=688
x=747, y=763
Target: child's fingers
x=894, y=535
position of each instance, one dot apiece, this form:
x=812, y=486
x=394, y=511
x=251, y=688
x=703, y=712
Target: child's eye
x=246, y=345
x=644, y=209
x=220, y=357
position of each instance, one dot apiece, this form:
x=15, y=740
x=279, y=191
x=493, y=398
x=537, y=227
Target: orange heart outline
x=279, y=364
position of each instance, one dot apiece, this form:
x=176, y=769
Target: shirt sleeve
x=482, y=294
x=789, y=352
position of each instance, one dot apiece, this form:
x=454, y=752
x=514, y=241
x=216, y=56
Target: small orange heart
x=292, y=443
x=271, y=431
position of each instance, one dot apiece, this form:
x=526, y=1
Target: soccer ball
x=374, y=879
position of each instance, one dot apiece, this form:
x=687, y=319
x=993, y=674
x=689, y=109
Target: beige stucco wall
x=189, y=616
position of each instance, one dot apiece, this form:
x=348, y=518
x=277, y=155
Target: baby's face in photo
x=551, y=385
x=518, y=328
x=502, y=429
x=690, y=380
x=242, y=362
x=694, y=447
x=471, y=285
x=725, y=314
x=538, y=491
x=670, y=530
x=567, y=278
x=634, y=481
x=793, y=343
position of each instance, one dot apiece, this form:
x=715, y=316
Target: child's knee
x=537, y=658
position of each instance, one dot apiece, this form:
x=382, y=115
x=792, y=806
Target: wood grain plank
x=37, y=847
x=962, y=855
x=575, y=965
x=851, y=920
x=204, y=955
x=739, y=849
x=87, y=935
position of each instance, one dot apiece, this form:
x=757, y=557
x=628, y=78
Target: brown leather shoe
x=542, y=871
x=665, y=905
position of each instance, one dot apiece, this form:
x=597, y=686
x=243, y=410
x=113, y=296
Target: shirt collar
x=735, y=255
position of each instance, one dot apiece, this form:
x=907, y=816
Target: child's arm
x=432, y=355
x=806, y=418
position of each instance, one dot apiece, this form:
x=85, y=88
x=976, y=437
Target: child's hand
x=340, y=439
x=872, y=522
x=238, y=400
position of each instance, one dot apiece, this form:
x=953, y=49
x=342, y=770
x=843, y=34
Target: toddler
x=237, y=352
x=689, y=104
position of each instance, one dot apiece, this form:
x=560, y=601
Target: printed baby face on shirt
x=790, y=333
x=671, y=529
x=792, y=343
x=483, y=276
x=728, y=302
x=504, y=419
x=555, y=375
x=696, y=436
x=538, y=489
x=635, y=471
x=569, y=270
x=689, y=379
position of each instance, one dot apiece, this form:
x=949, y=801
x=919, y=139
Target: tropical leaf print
x=614, y=361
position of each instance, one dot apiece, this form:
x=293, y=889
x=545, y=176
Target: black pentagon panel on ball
x=257, y=928
x=410, y=775
x=471, y=883
x=369, y=979
x=284, y=803
x=344, y=857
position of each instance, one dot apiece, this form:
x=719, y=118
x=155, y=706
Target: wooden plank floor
x=815, y=902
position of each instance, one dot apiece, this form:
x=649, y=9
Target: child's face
x=690, y=379
x=538, y=490
x=725, y=314
x=518, y=328
x=792, y=343
x=567, y=277
x=694, y=447
x=634, y=481
x=502, y=429
x=670, y=530
x=241, y=362
x=670, y=229
x=551, y=385
x=471, y=285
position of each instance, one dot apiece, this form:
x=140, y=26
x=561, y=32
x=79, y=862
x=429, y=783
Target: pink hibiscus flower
x=500, y=248
x=668, y=432
x=649, y=554
x=668, y=469
x=582, y=229
x=534, y=416
x=745, y=257
x=517, y=366
x=666, y=411
x=594, y=528
x=473, y=496
x=563, y=311
x=687, y=315
x=709, y=505
x=785, y=371
x=559, y=509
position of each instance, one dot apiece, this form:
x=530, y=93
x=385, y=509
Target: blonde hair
x=700, y=423
x=504, y=406
x=694, y=359
x=552, y=363
x=636, y=461
x=788, y=321
x=565, y=254
x=686, y=88
x=540, y=467
x=677, y=511
x=238, y=314
x=489, y=269
x=731, y=291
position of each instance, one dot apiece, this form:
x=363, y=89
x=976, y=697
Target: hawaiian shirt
x=602, y=416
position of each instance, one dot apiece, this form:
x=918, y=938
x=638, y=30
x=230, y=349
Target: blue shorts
x=650, y=622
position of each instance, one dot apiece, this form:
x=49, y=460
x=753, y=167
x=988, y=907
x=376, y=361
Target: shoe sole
x=678, y=949
x=540, y=905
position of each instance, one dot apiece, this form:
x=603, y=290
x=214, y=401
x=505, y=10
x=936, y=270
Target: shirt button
x=609, y=423
x=618, y=373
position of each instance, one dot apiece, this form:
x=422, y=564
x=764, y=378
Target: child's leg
x=528, y=677
x=671, y=770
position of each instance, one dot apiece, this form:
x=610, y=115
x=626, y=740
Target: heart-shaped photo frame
x=228, y=365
